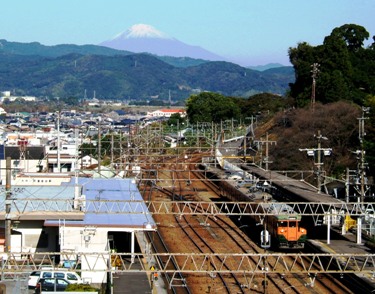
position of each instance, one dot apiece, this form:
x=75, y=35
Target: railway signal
x=265, y=240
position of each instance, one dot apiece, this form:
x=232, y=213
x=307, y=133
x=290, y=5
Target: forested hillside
x=345, y=67
x=345, y=72
x=70, y=71
x=344, y=93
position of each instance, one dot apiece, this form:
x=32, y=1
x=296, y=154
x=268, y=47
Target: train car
x=284, y=227
x=282, y=223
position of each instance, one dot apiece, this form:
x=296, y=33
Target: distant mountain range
x=266, y=66
x=71, y=70
x=142, y=38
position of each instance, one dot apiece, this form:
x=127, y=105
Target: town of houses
x=31, y=139
x=43, y=148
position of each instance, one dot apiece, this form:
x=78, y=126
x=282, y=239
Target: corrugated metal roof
x=40, y=202
x=24, y=196
x=114, y=190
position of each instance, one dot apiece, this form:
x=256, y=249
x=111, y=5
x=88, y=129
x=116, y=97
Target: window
x=49, y=281
x=71, y=277
x=292, y=224
x=47, y=275
x=283, y=224
x=62, y=282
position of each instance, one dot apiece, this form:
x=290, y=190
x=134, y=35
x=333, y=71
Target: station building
x=78, y=216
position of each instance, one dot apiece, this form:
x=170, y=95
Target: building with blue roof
x=80, y=216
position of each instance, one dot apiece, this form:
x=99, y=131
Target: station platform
x=131, y=283
x=340, y=243
x=345, y=244
x=134, y=282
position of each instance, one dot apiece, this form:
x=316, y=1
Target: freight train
x=284, y=226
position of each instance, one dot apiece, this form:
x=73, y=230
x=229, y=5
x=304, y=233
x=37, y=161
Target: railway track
x=177, y=283
x=218, y=234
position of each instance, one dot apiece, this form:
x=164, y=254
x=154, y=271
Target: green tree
x=71, y=101
x=176, y=119
x=353, y=35
x=211, y=107
x=263, y=103
x=372, y=46
x=302, y=57
x=346, y=67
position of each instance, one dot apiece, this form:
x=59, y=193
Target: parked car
x=51, y=285
x=71, y=277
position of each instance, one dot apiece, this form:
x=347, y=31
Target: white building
x=74, y=218
x=87, y=161
x=165, y=113
x=8, y=95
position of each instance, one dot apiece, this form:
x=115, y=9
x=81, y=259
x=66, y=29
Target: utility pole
x=198, y=136
x=361, y=155
x=58, y=143
x=8, y=195
x=99, y=147
x=317, y=152
x=267, y=142
x=319, y=163
x=314, y=71
x=112, y=147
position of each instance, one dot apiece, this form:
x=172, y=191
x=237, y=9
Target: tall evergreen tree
x=211, y=107
x=347, y=69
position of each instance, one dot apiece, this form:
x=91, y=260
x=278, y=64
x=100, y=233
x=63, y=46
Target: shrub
x=81, y=288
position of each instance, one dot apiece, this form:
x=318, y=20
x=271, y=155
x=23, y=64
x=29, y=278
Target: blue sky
x=249, y=32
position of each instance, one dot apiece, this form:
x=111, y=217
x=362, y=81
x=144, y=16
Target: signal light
x=155, y=276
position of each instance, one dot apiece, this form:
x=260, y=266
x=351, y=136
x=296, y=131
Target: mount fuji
x=141, y=38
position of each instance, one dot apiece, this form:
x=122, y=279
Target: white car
x=71, y=277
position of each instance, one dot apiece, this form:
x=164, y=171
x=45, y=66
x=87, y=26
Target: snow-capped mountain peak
x=142, y=31
x=145, y=38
